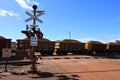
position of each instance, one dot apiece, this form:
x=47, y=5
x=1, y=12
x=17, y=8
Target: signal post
x=33, y=34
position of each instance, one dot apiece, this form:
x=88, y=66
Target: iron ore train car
x=95, y=48
x=113, y=48
x=66, y=46
x=45, y=46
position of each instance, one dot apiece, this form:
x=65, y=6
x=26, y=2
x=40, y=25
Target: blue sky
x=84, y=19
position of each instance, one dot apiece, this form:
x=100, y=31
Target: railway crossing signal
x=35, y=18
x=33, y=34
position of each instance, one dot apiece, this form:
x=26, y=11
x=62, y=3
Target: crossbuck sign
x=35, y=17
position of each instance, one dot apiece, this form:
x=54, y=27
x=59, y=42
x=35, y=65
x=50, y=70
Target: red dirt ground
x=67, y=69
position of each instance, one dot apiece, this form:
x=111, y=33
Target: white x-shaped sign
x=35, y=16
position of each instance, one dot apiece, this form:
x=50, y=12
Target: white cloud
x=8, y=13
x=23, y=4
x=35, y=3
x=26, y=3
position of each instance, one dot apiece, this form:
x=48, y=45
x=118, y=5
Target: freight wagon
x=66, y=46
x=113, y=48
x=45, y=47
x=95, y=48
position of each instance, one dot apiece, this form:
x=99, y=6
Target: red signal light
x=39, y=34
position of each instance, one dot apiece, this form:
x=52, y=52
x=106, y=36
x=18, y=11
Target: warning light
x=39, y=34
x=28, y=33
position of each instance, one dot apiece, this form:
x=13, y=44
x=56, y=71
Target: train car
x=113, y=48
x=66, y=46
x=95, y=48
x=4, y=43
x=45, y=46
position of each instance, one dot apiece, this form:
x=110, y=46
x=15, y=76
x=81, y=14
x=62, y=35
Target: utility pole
x=69, y=34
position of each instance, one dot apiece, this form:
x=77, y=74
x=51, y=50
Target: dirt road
x=68, y=69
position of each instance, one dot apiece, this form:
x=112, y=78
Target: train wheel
x=65, y=53
x=58, y=53
x=43, y=53
x=74, y=53
x=50, y=53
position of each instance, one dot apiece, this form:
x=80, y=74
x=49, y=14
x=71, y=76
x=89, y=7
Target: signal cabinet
x=4, y=43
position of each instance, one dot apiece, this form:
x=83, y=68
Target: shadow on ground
x=58, y=76
x=43, y=75
x=65, y=77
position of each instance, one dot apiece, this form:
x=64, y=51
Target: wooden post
x=6, y=62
